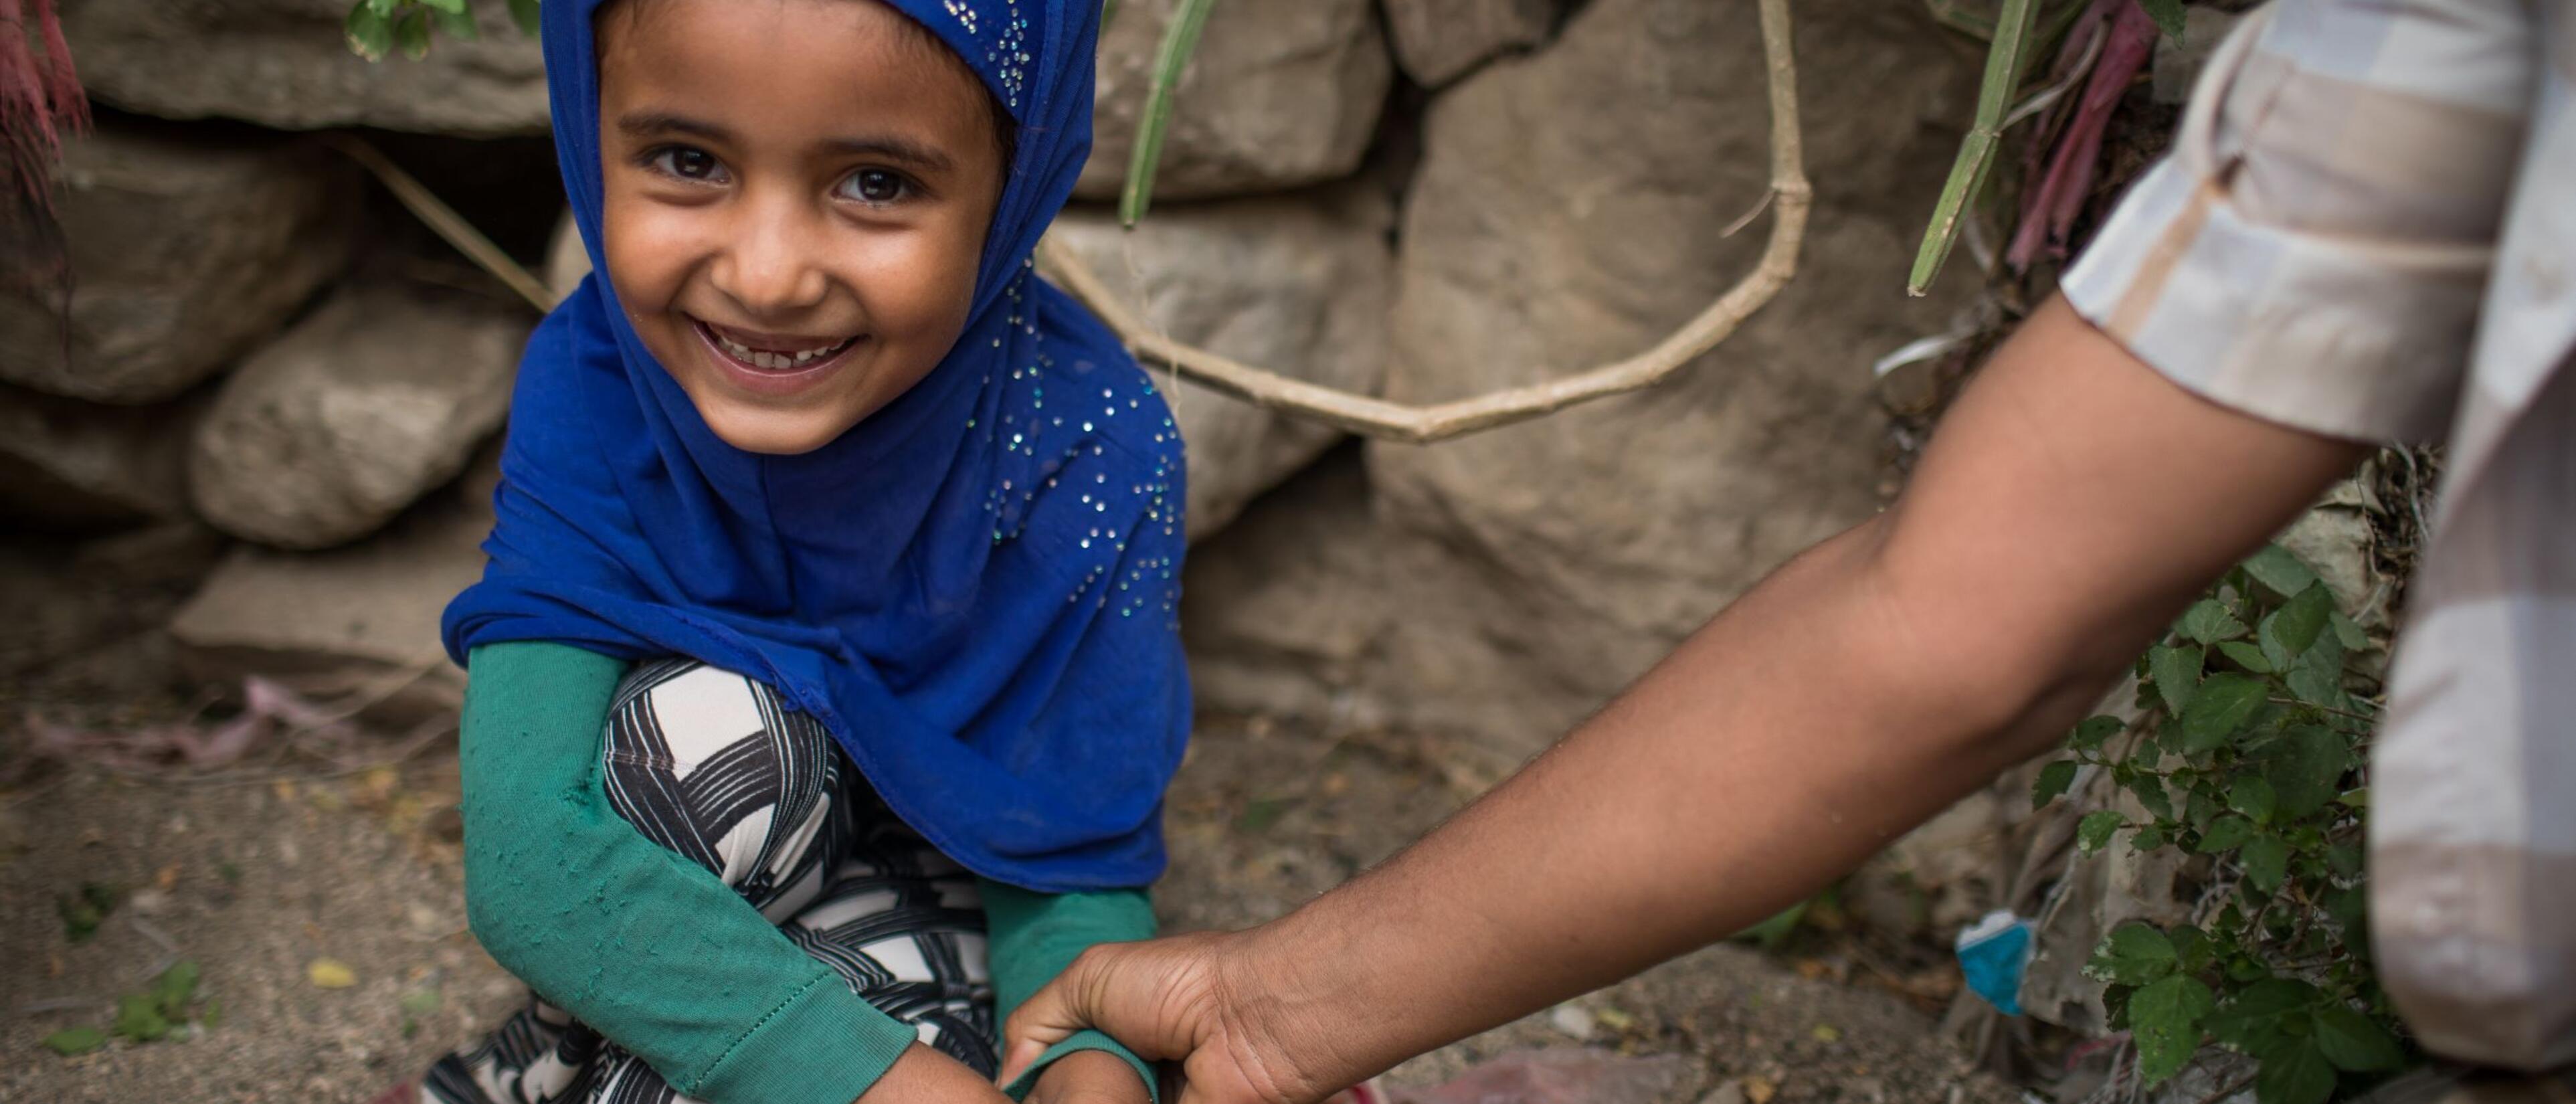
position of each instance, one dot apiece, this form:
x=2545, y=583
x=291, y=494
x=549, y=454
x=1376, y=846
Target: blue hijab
x=974, y=589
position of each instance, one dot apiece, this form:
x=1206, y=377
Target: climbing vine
x=2249, y=756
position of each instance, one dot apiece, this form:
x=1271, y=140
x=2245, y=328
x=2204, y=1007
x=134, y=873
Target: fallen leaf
x=1760, y=1090
x=1614, y=1019
x=1827, y=1033
x=331, y=973
x=167, y=877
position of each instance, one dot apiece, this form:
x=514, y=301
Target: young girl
x=829, y=621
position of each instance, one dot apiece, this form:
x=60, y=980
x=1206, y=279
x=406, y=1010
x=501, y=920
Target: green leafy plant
x=84, y=911
x=143, y=1017
x=379, y=27
x=2249, y=754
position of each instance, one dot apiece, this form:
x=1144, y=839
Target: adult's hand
x=2072, y=503
x=1170, y=1000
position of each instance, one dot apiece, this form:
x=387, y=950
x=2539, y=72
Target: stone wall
x=1421, y=198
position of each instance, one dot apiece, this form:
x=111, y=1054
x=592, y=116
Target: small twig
x=444, y=221
x=2228, y=1090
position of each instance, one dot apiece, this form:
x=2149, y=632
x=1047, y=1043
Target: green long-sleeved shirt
x=660, y=955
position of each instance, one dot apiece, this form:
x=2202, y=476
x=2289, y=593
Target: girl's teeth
x=760, y=359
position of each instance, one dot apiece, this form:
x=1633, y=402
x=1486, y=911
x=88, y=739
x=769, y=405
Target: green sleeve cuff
x=776, y=1061
x=1081, y=1041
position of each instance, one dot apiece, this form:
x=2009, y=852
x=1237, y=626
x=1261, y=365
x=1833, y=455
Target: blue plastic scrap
x=1993, y=953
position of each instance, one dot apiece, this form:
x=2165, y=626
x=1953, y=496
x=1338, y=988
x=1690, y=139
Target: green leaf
x=2192, y=950
x=2053, y=780
x=2133, y=954
x=2176, y=672
x=2095, y=830
x=2223, y=704
x=2150, y=791
x=2305, y=769
x=2164, y=1020
x=2247, y=656
x=370, y=37
x=2208, y=622
x=458, y=24
x=2295, y=1072
x=2297, y=624
x=1180, y=40
x=2201, y=807
x=138, y=1017
x=2352, y=1042
x=2168, y=17
x=524, y=13
x=2226, y=834
x=78, y=1040
x=2317, y=689
x=2093, y=731
x=384, y=8
x=452, y=6
x=2254, y=798
x=2256, y=1013
x=2148, y=838
x=175, y=988
x=2347, y=907
x=2015, y=29
x=2347, y=633
x=2267, y=862
x=211, y=1016
x=411, y=34
x=2279, y=571
x=420, y=1002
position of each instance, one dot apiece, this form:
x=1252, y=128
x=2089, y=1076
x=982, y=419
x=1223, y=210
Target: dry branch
x=1790, y=197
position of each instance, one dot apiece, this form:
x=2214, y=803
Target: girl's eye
x=689, y=163
x=875, y=186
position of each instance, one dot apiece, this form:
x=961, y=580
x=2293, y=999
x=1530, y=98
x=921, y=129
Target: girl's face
x=796, y=195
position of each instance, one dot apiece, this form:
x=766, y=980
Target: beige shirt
x=2367, y=229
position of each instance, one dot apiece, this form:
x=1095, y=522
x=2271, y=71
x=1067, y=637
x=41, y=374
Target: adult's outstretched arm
x=2072, y=502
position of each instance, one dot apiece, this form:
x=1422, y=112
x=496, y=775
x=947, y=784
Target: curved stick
x=1789, y=198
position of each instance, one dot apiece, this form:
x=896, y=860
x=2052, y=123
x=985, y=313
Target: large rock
x=183, y=252
x=1278, y=95
x=1571, y=209
x=286, y=63
x=1296, y=284
x=67, y=464
x=355, y=622
x=381, y=395
x=1437, y=41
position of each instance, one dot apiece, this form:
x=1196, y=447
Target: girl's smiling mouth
x=773, y=363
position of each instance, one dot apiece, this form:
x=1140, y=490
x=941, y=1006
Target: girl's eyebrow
x=643, y=124
x=646, y=124
x=919, y=156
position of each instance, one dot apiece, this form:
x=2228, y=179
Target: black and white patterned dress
x=715, y=767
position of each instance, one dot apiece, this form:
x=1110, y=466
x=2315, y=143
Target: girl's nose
x=769, y=268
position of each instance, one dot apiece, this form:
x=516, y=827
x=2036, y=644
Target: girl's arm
x=642, y=945
x=1036, y=935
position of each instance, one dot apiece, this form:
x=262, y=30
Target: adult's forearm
x=2074, y=501
x=1755, y=764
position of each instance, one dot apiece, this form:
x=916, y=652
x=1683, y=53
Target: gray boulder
x=67, y=464
x=1570, y=209
x=1277, y=96
x=1297, y=284
x=381, y=395
x=286, y=63
x=183, y=252
x=359, y=621
x=1436, y=41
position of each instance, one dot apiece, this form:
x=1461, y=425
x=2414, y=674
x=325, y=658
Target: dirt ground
x=260, y=879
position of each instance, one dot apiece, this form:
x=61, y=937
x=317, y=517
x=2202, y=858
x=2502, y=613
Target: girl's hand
x=1089, y=1077
x=925, y=1076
